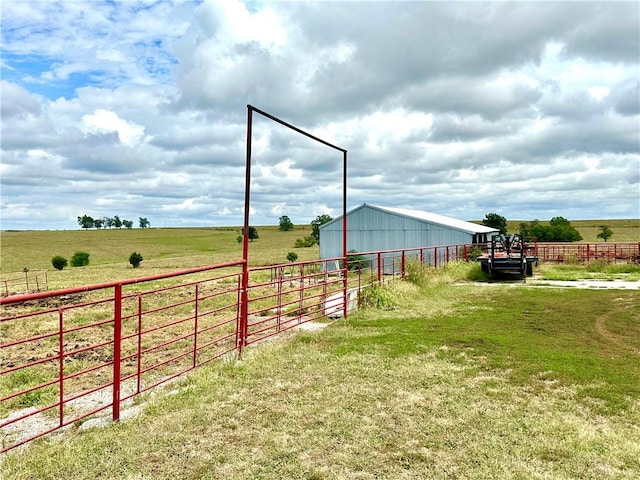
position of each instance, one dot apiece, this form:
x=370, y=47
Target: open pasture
x=163, y=250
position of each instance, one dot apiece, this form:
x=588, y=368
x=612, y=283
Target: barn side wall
x=369, y=229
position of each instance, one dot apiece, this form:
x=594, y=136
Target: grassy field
x=449, y=380
x=163, y=250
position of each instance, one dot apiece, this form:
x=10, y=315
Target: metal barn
x=374, y=228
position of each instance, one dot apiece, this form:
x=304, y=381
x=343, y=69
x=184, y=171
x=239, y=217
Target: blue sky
x=138, y=109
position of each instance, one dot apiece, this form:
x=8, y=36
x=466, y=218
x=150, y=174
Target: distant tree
x=534, y=231
x=605, y=233
x=239, y=238
x=127, y=224
x=558, y=230
x=143, y=222
x=98, y=223
x=494, y=220
x=117, y=222
x=562, y=231
x=86, y=222
x=285, y=224
x=315, y=225
x=108, y=222
x=134, y=259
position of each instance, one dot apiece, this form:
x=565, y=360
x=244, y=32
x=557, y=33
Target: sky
x=530, y=110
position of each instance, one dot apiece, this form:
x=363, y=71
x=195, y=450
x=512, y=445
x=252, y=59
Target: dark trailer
x=508, y=254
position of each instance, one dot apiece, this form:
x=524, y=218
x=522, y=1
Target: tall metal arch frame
x=244, y=299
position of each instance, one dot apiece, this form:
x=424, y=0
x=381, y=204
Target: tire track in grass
x=601, y=328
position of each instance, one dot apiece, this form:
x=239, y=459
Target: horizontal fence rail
x=72, y=354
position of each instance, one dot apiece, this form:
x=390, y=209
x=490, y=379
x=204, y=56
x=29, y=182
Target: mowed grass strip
x=447, y=382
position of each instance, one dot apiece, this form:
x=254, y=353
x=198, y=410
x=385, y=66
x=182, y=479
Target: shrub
x=134, y=259
x=357, y=262
x=417, y=272
x=292, y=256
x=80, y=259
x=58, y=262
x=307, y=241
x=476, y=274
x=378, y=297
x=474, y=252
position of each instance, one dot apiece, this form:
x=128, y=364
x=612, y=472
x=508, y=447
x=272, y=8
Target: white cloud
x=105, y=121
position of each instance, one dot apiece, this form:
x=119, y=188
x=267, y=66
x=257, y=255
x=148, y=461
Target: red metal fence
x=70, y=354
x=586, y=252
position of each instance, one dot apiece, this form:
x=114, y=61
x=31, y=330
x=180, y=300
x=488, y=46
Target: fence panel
x=282, y=297
x=586, y=252
x=73, y=353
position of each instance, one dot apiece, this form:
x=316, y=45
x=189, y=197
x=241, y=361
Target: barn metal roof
x=430, y=217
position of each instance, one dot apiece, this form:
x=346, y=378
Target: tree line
x=86, y=222
x=559, y=229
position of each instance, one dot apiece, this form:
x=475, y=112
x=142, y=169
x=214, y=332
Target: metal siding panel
x=370, y=229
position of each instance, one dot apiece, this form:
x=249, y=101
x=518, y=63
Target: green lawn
x=450, y=380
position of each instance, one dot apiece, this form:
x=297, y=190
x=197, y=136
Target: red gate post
x=280, y=276
x=238, y=314
x=139, y=352
x=380, y=268
x=61, y=366
x=195, y=326
x=301, y=294
x=117, y=340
